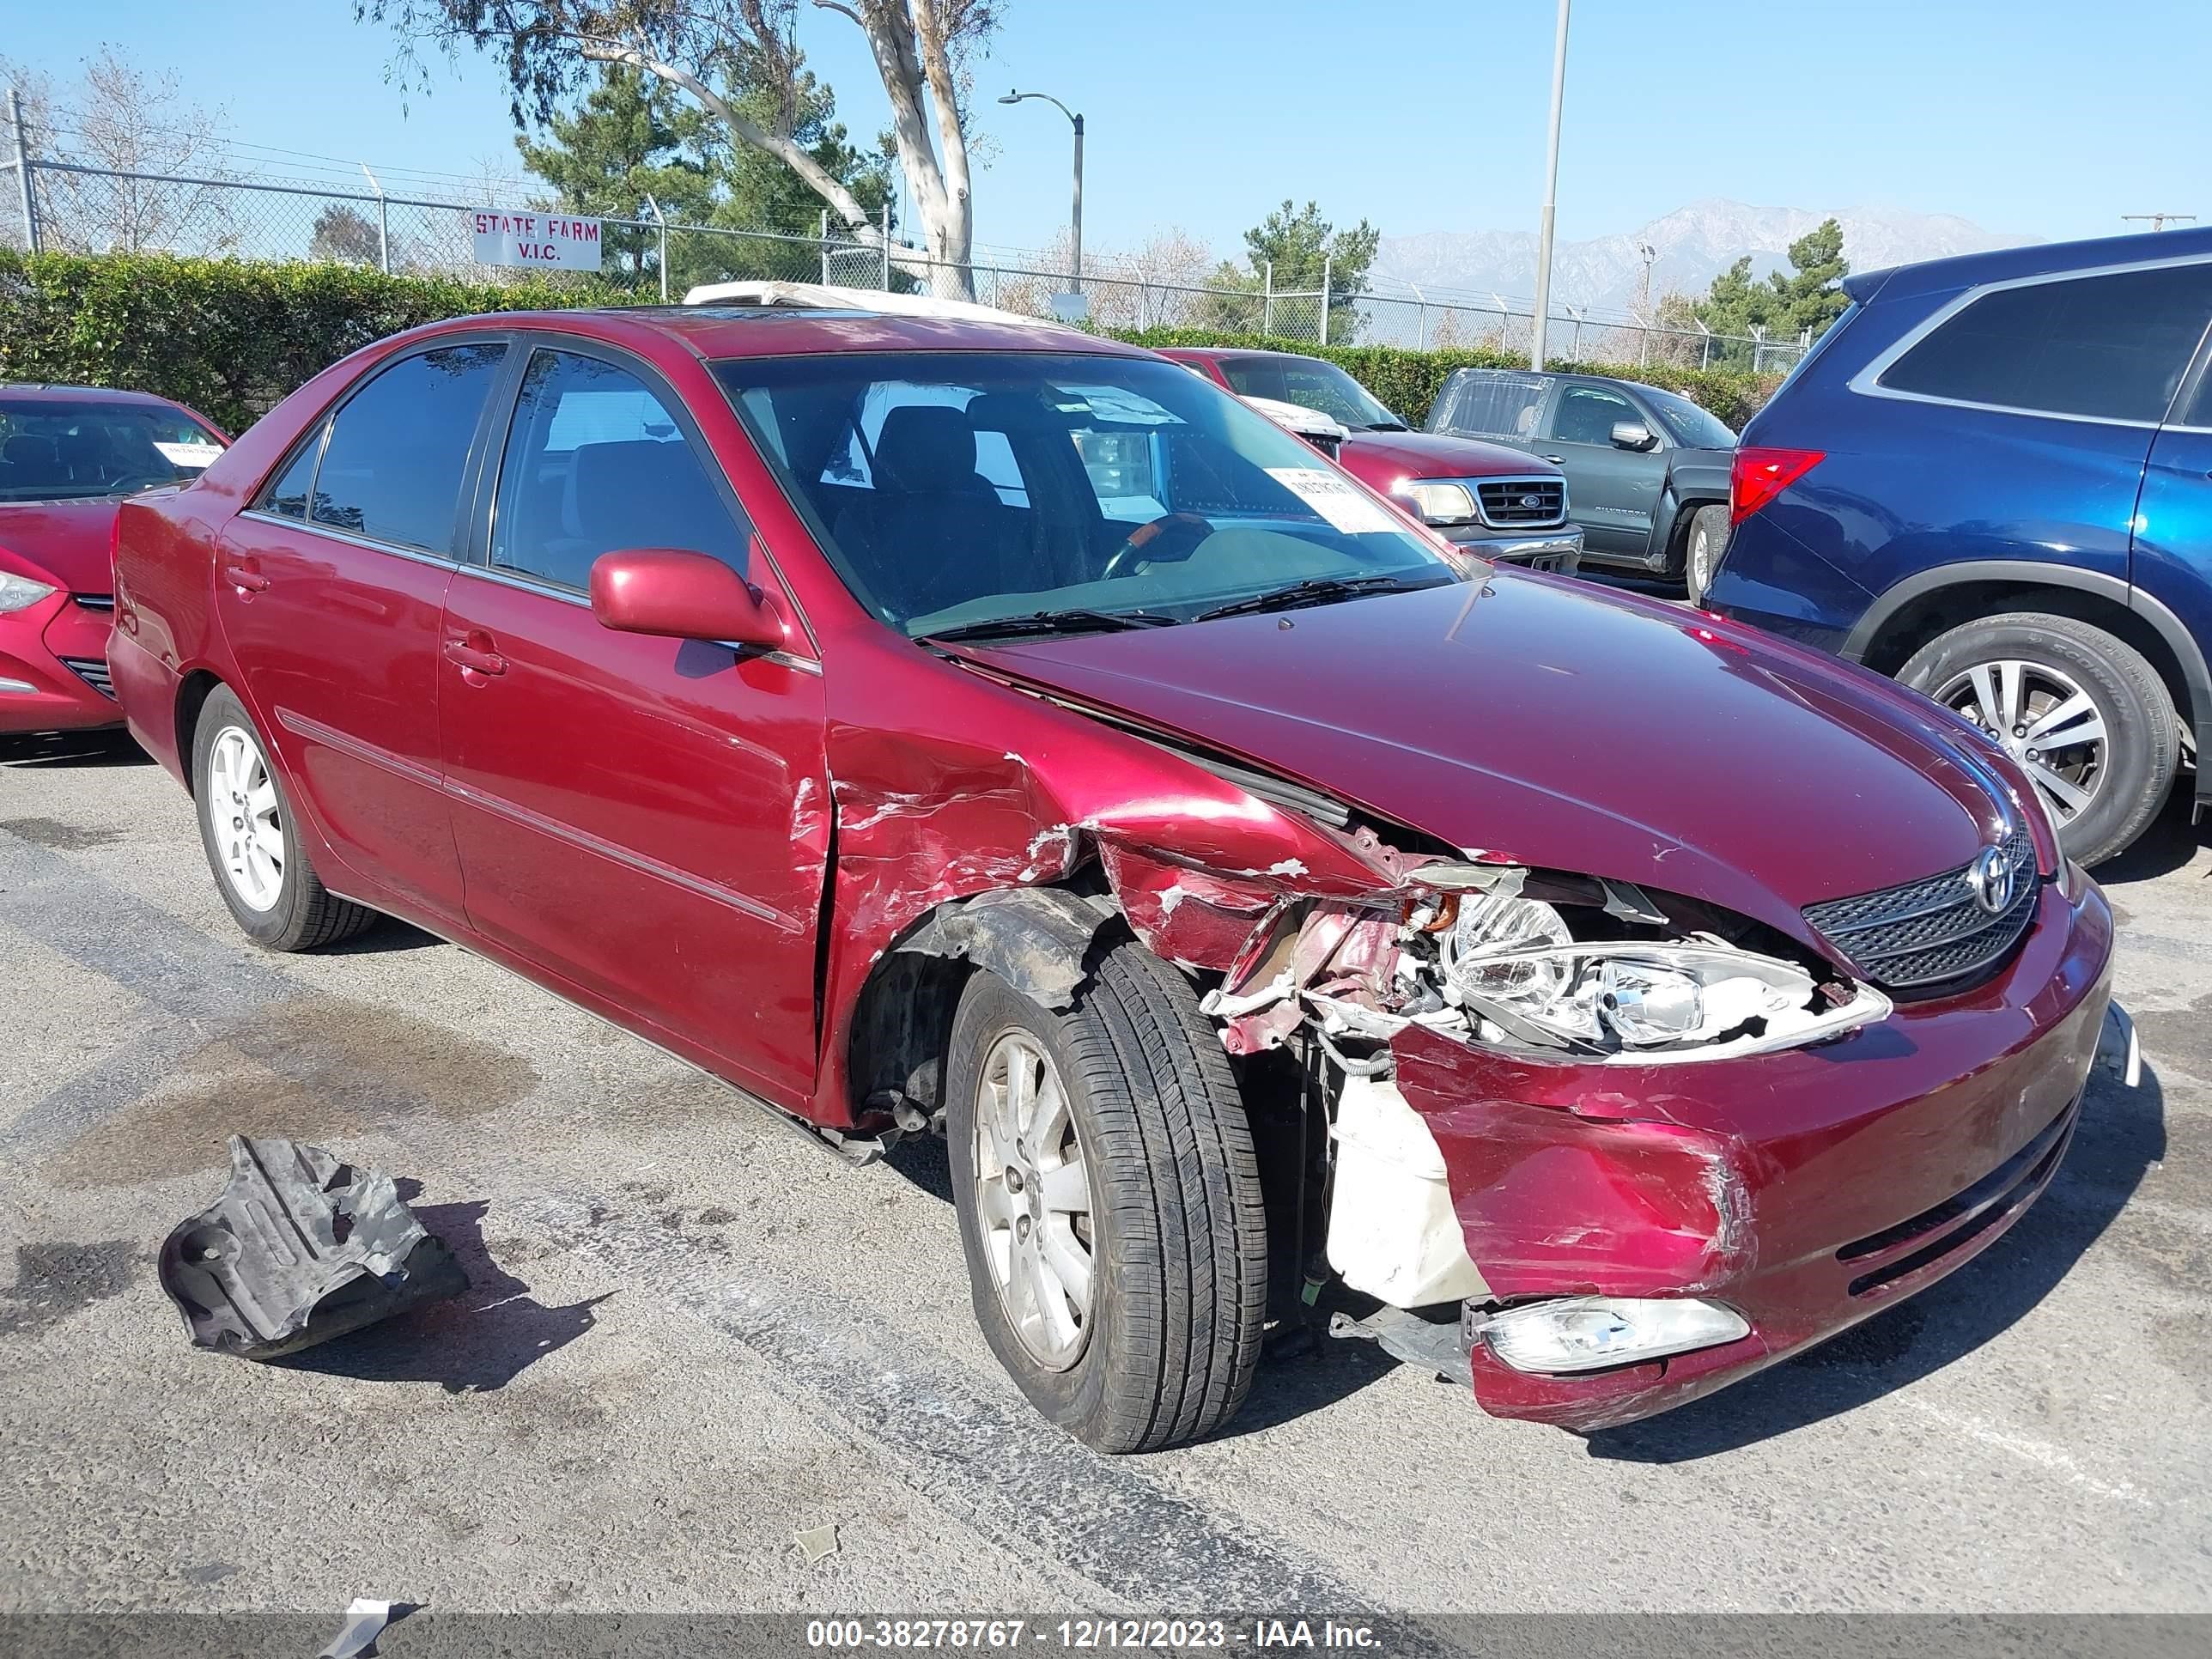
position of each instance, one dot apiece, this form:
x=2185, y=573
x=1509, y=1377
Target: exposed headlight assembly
x=20, y=592
x=1511, y=963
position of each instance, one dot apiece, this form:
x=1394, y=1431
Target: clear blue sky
x=2046, y=117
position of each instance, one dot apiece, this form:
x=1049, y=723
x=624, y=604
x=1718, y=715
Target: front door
x=642, y=819
x=1611, y=492
x=329, y=588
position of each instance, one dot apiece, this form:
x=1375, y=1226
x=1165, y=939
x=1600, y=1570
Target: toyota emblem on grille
x=1532, y=500
x=1990, y=879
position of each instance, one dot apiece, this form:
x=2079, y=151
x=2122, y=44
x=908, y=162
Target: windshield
x=1312, y=383
x=1687, y=423
x=956, y=489
x=52, y=451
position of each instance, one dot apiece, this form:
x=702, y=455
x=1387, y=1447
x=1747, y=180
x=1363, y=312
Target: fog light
x=1590, y=1333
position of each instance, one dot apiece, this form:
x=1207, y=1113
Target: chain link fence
x=68, y=206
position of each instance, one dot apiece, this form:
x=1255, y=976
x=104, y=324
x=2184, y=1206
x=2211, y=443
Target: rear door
x=1611, y=492
x=642, y=820
x=330, y=587
x=2172, y=561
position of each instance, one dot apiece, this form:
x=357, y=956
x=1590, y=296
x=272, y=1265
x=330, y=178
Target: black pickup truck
x=1647, y=470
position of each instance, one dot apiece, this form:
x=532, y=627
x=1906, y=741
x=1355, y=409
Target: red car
x=68, y=454
x=1496, y=501
x=937, y=724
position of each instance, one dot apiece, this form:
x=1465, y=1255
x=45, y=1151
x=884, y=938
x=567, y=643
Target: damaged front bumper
x=1559, y=550
x=1804, y=1191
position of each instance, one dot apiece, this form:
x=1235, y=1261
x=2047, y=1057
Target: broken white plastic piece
x=365, y=1620
x=2118, y=1051
x=1392, y=1230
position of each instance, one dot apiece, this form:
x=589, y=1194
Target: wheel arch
x=1678, y=512
x=1040, y=939
x=1914, y=612
x=192, y=692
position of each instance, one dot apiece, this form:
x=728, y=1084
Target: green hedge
x=1408, y=381
x=231, y=337
x=228, y=336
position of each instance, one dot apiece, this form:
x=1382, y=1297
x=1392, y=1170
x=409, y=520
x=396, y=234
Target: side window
x=1587, y=415
x=391, y=470
x=2112, y=346
x=595, y=462
x=286, y=495
x=1497, y=405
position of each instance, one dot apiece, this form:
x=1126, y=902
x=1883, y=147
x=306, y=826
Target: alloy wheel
x=242, y=807
x=2045, y=719
x=1033, y=1200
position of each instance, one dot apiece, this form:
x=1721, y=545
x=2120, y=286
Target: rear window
x=57, y=451
x=2112, y=346
x=1491, y=405
x=391, y=468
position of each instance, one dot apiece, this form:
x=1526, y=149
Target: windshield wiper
x=1075, y=620
x=1386, y=426
x=1316, y=590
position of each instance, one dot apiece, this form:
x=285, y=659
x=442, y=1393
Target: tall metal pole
x=1325, y=271
x=1268, y=304
x=1077, y=214
x=660, y=218
x=887, y=245
x=23, y=172
x=1551, y=195
x=383, y=222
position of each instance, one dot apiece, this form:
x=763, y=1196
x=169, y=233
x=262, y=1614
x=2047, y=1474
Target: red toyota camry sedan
x=68, y=454
x=933, y=725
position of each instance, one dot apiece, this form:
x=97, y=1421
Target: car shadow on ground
x=2170, y=843
x=2122, y=1134
x=74, y=749
x=390, y=935
x=479, y=1340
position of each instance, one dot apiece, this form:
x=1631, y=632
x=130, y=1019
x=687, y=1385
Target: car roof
x=48, y=391
x=714, y=331
x=1234, y=354
x=1569, y=374
x=2037, y=259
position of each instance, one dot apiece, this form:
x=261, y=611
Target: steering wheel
x=1157, y=540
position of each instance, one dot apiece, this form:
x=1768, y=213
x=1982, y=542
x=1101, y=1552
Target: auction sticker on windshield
x=1337, y=499
x=188, y=455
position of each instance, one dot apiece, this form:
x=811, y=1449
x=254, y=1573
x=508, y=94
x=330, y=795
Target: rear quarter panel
x=165, y=621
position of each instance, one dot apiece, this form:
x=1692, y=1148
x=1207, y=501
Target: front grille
x=1931, y=932
x=93, y=671
x=1968, y=1214
x=1516, y=503
x=94, y=601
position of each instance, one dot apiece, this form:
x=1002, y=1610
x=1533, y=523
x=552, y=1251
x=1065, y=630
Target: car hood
x=64, y=543
x=1388, y=456
x=1536, y=722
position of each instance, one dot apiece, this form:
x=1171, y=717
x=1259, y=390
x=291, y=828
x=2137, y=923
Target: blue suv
x=1992, y=478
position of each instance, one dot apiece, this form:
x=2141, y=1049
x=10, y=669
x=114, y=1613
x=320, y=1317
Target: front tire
x=2085, y=716
x=252, y=846
x=1702, y=549
x=1110, y=1203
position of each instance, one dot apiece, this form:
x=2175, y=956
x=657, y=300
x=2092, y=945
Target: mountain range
x=1694, y=243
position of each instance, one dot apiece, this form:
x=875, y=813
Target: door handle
x=241, y=574
x=474, y=658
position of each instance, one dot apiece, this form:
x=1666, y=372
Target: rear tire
x=1165, y=1337
x=2104, y=773
x=1702, y=550
x=252, y=846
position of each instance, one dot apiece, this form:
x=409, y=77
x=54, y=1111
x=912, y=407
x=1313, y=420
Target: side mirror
x=680, y=595
x=1632, y=435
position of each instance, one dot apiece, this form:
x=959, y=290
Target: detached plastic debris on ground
x=301, y=1246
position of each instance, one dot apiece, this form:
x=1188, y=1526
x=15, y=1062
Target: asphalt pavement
x=694, y=1334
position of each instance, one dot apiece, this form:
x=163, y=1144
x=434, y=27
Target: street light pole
x=1551, y=195
x=1075, y=224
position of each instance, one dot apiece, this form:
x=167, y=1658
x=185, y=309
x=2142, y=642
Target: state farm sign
x=542, y=242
